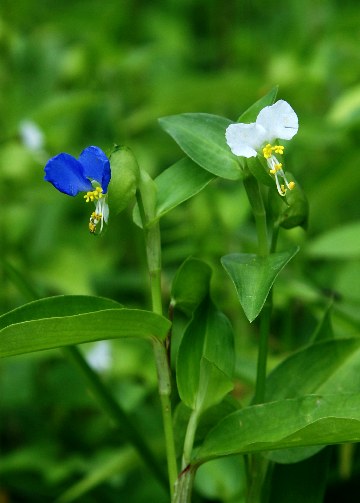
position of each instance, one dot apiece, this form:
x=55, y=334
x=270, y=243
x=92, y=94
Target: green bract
x=124, y=178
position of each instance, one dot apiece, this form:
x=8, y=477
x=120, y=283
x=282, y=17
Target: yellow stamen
x=93, y=195
x=277, y=167
x=267, y=151
x=278, y=149
x=95, y=218
x=291, y=185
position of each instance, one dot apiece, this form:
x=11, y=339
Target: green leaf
x=124, y=178
x=205, y=359
x=178, y=183
x=253, y=276
x=332, y=366
x=202, y=138
x=252, y=112
x=59, y=305
x=298, y=422
x=214, y=382
x=190, y=285
x=43, y=325
x=343, y=242
x=325, y=367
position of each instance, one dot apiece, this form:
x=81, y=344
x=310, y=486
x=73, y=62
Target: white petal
x=279, y=121
x=245, y=139
x=105, y=212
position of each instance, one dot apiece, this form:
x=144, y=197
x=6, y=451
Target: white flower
x=278, y=121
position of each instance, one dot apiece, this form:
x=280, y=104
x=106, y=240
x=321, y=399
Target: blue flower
x=90, y=173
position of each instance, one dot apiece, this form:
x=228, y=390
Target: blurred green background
x=98, y=73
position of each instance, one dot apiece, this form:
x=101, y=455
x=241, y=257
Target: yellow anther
x=283, y=190
x=267, y=151
x=278, y=149
x=277, y=167
x=95, y=218
x=93, y=195
x=291, y=185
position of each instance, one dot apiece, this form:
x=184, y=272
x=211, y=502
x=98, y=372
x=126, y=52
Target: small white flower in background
x=31, y=135
x=278, y=121
x=99, y=356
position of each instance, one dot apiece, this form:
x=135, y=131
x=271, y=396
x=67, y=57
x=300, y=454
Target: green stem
x=164, y=386
x=257, y=472
x=153, y=254
x=346, y=460
x=258, y=467
x=265, y=317
x=184, y=485
x=189, y=438
x=257, y=205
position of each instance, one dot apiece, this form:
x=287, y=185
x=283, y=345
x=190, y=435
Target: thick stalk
x=184, y=485
x=153, y=254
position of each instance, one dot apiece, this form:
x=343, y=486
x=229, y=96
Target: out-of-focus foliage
x=100, y=73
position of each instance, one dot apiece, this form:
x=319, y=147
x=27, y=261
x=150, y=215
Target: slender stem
x=153, y=254
x=257, y=205
x=265, y=317
x=346, y=460
x=189, y=438
x=114, y=410
x=257, y=472
x=257, y=468
x=256, y=201
x=164, y=386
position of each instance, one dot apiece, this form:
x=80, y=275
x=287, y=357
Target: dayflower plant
x=90, y=174
x=278, y=121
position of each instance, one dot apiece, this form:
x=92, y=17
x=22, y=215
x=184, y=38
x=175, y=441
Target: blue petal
x=96, y=166
x=67, y=175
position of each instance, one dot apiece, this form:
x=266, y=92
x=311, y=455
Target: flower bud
x=294, y=211
x=124, y=178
